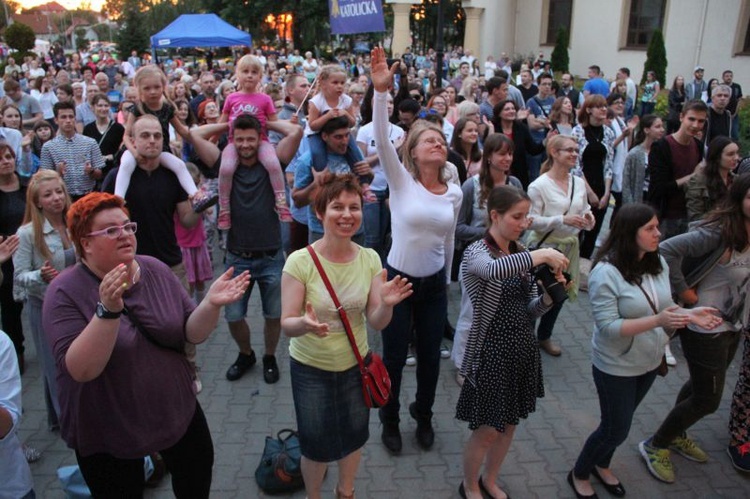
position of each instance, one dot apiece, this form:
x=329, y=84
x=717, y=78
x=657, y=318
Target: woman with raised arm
x=424, y=210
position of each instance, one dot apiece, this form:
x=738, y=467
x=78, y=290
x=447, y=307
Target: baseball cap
x=698, y=68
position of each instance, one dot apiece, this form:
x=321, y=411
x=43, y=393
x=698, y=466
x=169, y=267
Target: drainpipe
x=699, y=48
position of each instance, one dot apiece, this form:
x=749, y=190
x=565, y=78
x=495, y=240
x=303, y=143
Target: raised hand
x=8, y=246
x=226, y=289
x=380, y=75
x=394, y=291
x=312, y=324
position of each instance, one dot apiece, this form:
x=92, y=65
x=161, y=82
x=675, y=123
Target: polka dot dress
x=509, y=378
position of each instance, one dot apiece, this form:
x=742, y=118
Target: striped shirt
x=75, y=152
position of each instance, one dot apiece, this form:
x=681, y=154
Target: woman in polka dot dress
x=502, y=365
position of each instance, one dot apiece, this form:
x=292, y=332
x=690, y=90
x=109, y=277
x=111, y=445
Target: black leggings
x=190, y=462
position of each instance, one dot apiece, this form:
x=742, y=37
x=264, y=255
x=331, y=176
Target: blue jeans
x=535, y=165
x=708, y=357
x=426, y=310
x=266, y=271
x=377, y=222
x=619, y=397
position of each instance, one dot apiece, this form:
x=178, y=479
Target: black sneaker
x=204, y=203
x=425, y=434
x=270, y=369
x=241, y=365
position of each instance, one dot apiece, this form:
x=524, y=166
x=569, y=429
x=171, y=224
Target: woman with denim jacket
x=631, y=301
x=44, y=251
x=724, y=281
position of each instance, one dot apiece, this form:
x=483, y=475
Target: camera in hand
x=554, y=288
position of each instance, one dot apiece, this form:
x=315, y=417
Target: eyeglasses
x=115, y=231
x=569, y=150
x=434, y=140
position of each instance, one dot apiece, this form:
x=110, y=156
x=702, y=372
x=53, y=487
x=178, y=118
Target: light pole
x=439, y=45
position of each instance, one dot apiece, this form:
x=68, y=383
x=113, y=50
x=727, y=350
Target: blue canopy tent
x=199, y=30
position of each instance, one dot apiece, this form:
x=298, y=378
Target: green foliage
x=20, y=37
x=133, y=34
x=82, y=43
x=560, y=59
x=656, y=58
x=744, y=117
x=662, y=105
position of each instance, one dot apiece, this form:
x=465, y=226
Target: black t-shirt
x=255, y=224
x=718, y=125
x=109, y=142
x=12, y=208
x=164, y=115
x=152, y=200
x=528, y=93
x=593, y=158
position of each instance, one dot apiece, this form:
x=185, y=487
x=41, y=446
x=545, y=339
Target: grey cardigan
x=691, y=256
x=634, y=175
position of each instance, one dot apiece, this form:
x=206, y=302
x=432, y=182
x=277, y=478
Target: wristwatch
x=103, y=313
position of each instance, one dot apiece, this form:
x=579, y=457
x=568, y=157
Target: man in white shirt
x=624, y=74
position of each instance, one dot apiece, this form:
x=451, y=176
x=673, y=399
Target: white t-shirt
x=345, y=102
x=366, y=136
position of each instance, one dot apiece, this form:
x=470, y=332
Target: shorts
x=332, y=418
x=266, y=271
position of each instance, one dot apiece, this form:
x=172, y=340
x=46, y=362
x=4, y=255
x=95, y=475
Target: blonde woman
x=44, y=251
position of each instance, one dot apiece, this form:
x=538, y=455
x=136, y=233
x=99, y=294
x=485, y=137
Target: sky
x=68, y=4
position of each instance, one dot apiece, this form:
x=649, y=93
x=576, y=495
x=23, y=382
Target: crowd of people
x=121, y=180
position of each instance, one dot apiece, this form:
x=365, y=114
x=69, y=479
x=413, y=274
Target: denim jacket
x=27, y=261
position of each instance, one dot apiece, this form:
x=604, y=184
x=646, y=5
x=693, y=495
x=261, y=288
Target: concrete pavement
x=241, y=414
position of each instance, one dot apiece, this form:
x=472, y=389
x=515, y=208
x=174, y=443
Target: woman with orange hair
x=125, y=386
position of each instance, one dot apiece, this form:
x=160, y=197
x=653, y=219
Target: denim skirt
x=332, y=418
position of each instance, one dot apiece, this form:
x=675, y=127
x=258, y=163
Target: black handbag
x=279, y=470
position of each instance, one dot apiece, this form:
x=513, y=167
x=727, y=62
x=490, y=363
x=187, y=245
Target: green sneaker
x=658, y=461
x=688, y=449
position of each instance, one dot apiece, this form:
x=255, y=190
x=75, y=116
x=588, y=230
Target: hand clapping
x=226, y=289
x=394, y=291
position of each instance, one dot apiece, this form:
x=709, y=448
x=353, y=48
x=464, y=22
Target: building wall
x=598, y=31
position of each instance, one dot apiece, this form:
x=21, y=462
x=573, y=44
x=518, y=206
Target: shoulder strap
x=570, y=205
x=339, y=308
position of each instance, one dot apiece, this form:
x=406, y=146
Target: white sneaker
x=411, y=360
x=671, y=361
x=444, y=351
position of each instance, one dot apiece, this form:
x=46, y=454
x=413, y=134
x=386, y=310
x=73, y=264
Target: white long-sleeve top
x=549, y=202
x=423, y=224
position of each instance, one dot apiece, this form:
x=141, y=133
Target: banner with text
x=356, y=16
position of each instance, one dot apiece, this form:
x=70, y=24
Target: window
x=645, y=16
x=558, y=16
x=746, y=45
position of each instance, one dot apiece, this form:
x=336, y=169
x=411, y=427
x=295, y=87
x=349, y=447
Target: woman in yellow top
x=326, y=383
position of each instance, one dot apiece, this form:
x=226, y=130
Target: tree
x=20, y=37
x=560, y=58
x=656, y=58
x=8, y=7
x=133, y=34
x=82, y=43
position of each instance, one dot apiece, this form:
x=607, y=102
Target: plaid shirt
x=75, y=152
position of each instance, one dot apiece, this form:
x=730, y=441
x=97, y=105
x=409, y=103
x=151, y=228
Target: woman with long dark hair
x=706, y=188
x=717, y=255
x=634, y=313
x=676, y=101
x=465, y=150
x=472, y=220
x=634, y=186
x=505, y=122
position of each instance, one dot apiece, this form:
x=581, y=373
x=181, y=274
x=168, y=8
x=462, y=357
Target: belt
x=255, y=255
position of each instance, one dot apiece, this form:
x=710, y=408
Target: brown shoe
x=550, y=348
